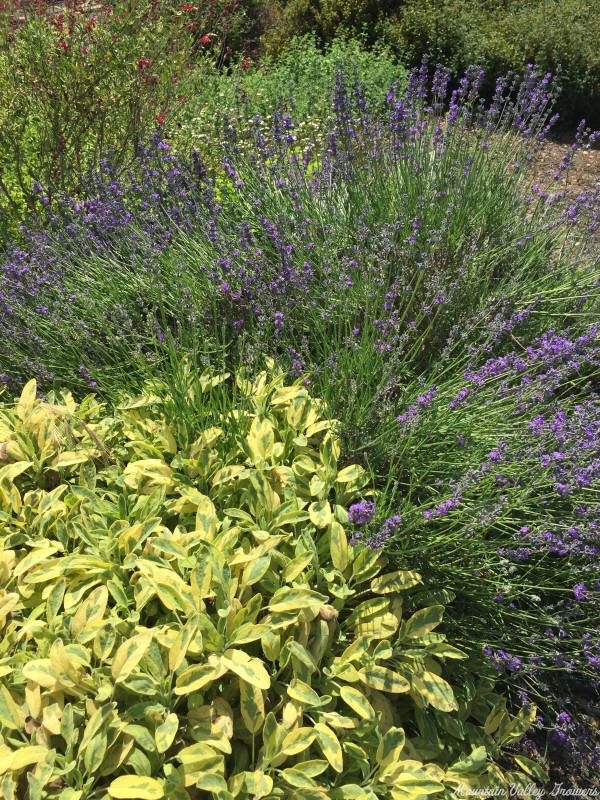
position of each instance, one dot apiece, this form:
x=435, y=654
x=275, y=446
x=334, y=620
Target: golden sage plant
x=190, y=621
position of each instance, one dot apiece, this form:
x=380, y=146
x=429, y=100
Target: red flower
x=160, y=118
x=246, y=63
x=204, y=40
x=187, y=7
x=63, y=45
x=143, y=63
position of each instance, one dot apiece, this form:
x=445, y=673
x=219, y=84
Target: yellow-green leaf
x=423, y=621
x=340, y=554
x=247, y=668
x=384, y=679
x=261, y=438
x=390, y=748
x=330, y=746
x=11, y=471
x=298, y=740
x=395, y=582
x=69, y=459
x=303, y=693
x=166, y=732
x=252, y=706
x=136, y=787
x=27, y=399
x=357, y=702
x=23, y=757
x=197, y=676
x=206, y=518
x=319, y=513
x=295, y=777
x=296, y=566
x=258, y=784
x=248, y=632
x=256, y=570
x=353, y=473
x=415, y=783
x=129, y=654
x=434, y=690
x=295, y=600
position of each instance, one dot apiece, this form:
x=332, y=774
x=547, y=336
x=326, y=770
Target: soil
x=582, y=176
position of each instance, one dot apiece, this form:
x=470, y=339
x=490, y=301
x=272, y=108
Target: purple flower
x=361, y=513
x=580, y=591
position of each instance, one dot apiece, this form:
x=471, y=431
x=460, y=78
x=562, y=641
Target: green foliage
x=505, y=35
x=502, y=35
x=191, y=621
x=300, y=79
x=324, y=18
x=79, y=83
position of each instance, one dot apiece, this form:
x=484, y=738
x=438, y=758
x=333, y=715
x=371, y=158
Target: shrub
x=78, y=82
x=299, y=80
x=172, y=251
x=502, y=36
x=324, y=18
x=182, y=622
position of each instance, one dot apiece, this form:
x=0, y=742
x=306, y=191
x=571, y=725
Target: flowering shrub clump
x=80, y=80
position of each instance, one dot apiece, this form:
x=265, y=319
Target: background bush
x=78, y=82
x=501, y=35
x=299, y=82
